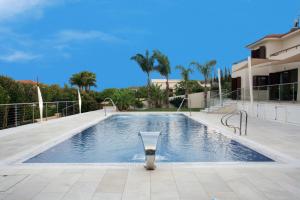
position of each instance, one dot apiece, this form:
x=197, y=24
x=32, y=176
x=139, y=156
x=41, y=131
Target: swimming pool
x=116, y=140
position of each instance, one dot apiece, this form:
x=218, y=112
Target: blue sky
x=53, y=39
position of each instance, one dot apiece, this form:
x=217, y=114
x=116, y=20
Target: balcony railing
x=17, y=114
x=285, y=50
x=276, y=92
x=285, y=92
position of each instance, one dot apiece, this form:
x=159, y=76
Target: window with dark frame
x=285, y=85
x=259, y=81
x=259, y=53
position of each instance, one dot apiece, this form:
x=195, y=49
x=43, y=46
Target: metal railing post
x=73, y=108
x=46, y=109
x=246, y=122
x=241, y=122
x=279, y=93
x=33, y=113
x=293, y=92
x=66, y=108
x=268, y=92
x=57, y=107
x=16, y=115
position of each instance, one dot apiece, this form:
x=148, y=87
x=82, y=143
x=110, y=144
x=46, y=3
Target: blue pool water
x=116, y=140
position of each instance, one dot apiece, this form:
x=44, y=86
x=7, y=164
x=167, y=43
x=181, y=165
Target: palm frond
x=163, y=66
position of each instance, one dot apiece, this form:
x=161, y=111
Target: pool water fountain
x=149, y=140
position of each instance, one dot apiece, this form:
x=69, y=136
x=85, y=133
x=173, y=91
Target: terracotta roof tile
x=274, y=36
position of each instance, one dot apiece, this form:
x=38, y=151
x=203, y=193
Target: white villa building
x=275, y=59
x=269, y=78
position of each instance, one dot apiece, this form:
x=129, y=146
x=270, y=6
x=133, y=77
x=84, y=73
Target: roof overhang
x=255, y=63
x=275, y=37
x=266, y=62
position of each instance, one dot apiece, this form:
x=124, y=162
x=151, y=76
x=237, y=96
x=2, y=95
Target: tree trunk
x=167, y=91
x=148, y=90
x=205, y=93
x=186, y=94
x=186, y=90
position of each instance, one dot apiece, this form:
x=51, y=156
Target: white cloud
x=16, y=47
x=12, y=8
x=18, y=56
x=67, y=36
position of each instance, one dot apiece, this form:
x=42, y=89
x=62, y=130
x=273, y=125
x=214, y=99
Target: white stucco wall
x=272, y=46
x=280, y=112
x=291, y=40
x=162, y=83
x=197, y=99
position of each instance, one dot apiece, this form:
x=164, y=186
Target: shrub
x=124, y=98
x=4, y=97
x=193, y=87
x=157, y=96
x=88, y=103
x=138, y=103
x=176, y=101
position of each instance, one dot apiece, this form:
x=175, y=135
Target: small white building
x=172, y=84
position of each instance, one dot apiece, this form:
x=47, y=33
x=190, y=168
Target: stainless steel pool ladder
x=149, y=140
x=242, y=115
x=182, y=104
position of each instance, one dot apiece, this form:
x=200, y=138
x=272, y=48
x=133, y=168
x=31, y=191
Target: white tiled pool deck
x=255, y=181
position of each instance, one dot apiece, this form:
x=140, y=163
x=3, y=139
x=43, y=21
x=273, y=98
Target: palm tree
x=185, y=74
x=84, y=79
x=205, y=70
x=146, y=63
x=77, y=80
x=157, y=95
x=89, y=79
x=164, y=69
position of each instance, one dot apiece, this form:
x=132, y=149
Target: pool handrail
x=113, y=103
x=241, y=113
x=185, y=98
